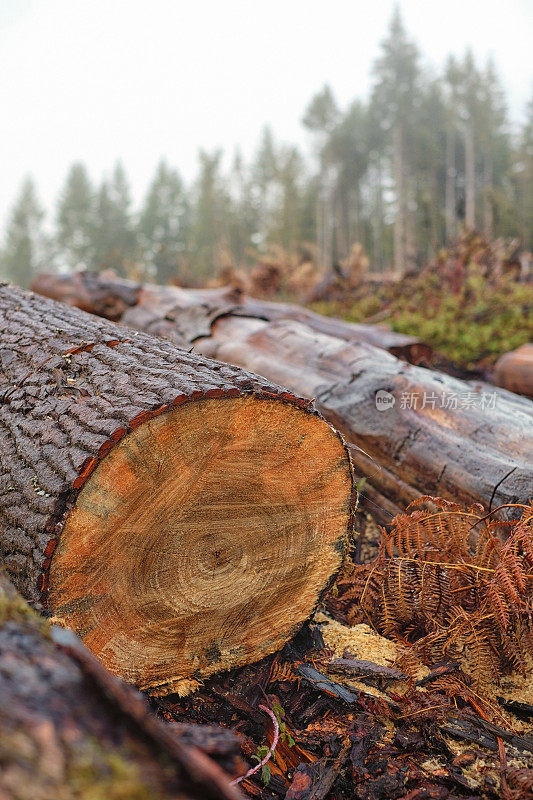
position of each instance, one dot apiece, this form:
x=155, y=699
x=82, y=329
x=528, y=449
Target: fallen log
x=159, y=305
x=469, y=443
x=183, y=516
x=514, y=370
x=103, y=294
x=451, y=437
x=70, y=729
x=416, y=431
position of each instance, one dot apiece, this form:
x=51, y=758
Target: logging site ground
x=266, y=433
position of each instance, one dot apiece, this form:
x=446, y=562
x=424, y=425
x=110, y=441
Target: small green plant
x=284, y=735
x=266, y=772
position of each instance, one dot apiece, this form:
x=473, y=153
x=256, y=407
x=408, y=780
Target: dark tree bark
x=182, y=515
x=69, y=727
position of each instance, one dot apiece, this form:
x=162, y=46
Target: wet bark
x=68, y=727
x=157, y=310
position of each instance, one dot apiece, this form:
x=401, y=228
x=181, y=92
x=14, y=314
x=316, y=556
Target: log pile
x=334, y=711
x=415, y=431
x=105, y=295
x=182, y=515
x=463, y=440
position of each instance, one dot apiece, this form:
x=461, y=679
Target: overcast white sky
x=97, y=80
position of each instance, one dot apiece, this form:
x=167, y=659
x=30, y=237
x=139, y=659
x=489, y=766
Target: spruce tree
x=523, y=180
x=163, y=228
x=25, y=250
x=210, y=206
x=113, y=237
x=395, y=97
x=264, y=174
x=76, y=220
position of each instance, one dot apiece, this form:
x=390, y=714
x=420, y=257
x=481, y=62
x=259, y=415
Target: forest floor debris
x=365, y=715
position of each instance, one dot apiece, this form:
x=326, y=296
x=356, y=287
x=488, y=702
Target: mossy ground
x=472, y=326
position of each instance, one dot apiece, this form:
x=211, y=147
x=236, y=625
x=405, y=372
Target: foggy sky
x=97, y=80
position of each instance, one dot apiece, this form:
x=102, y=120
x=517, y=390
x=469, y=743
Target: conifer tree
x=114, y=237
x=163, y=227
x=25, y=251
x=209, y=232
x=395, y=96
x=76, y=220
x=320, y=118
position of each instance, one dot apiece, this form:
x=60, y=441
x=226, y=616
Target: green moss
x=477, y=324
x=14, y=609
x=95, y=774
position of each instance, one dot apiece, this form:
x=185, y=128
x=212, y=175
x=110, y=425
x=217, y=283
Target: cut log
x=470, y=442
x=183, y=516
x=416, y=431
x=160, y=305
x=103, y=294
x=162, y=308
x=69, y=729
x=514, y=371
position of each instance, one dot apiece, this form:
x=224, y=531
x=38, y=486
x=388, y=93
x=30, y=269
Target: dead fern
x=445, y=583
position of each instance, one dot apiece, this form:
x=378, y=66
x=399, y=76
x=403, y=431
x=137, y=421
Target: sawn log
x=183, y=516
x=106, y=294
x=514, y=370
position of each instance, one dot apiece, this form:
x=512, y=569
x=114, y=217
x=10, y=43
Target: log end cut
x=514, y=370
x=204, y=539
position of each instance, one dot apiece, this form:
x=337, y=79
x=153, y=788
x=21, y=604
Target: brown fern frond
x=444, y=581
x=283, y=672
x=487, y=551
x=408, y=662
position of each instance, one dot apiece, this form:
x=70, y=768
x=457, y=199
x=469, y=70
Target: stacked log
x=182, y=515
x=436, y=434
x=97, y=294
x=463, y=440
x=415, y=431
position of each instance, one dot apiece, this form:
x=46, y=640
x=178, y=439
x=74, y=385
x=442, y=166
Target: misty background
x=171, y=141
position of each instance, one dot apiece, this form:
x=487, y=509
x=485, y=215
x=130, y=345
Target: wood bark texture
x=69, y=729
x=182, y=515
